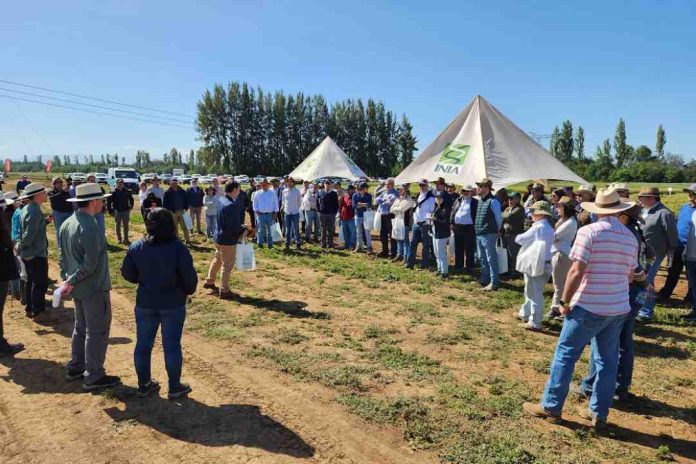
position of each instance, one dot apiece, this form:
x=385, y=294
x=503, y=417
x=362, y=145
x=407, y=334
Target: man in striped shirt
x=604, y=256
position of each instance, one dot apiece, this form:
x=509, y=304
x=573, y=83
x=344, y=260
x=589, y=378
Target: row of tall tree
x=617, y=160
x=250, y=131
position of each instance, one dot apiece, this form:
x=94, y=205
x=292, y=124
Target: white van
x=129, y=176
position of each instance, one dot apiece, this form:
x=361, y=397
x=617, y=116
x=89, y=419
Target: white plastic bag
x=377, y=223
x=341, y=238
x=398, y=228
x=450, y=245
x=503, y=265
x=369, y=220
x=245, y=259
x=187, y=221
x=276, y=234
x=530, y=260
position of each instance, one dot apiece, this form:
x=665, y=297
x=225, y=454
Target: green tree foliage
x=246, y=130
x=621, y=148
x=555, y=135
x=642, y=154
x=563, y=149
x=580, y=144
x=660, y=142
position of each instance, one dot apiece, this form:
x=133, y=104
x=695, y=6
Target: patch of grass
x=420, y=312
x=419, y=366
x=289, y=336
x=459, y=335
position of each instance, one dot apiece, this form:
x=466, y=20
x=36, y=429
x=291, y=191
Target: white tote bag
x=276, y=234
x=245, y=259
x=450, y=245
x=530, y=260
x=187, y=221
x=503, y=265
x=369, y=220
x=398, y=228
x=340, y=234
x=377, y=223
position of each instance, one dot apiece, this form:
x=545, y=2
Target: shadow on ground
x=225, y=425
x=293, y=309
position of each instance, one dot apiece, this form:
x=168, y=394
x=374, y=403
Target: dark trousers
x=513, y=248
x=421, y=234
x=674, y=273
x=3, y=297
x=147, y=322
x=252, y=219
x=328, y=227
x=37, y=284
x=464, y=246
x=385, y=236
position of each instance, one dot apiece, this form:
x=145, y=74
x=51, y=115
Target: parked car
x=165, y=177
x=195, y=176
x=100, y=176
x=129, y=176
x=147, y=177
x=77, y=177
x=242, y=179
x=184, y=179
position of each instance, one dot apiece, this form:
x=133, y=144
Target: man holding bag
x=230, y=226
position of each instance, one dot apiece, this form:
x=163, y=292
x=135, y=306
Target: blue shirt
x=386, y=199
x=265, y=201
x=361, y=198
x=683, y=221
x=164, y=273
x=15, y=224
x=230, y=221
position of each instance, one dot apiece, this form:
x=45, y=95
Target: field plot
x=337, y=357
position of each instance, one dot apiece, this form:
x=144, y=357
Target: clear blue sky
x=539, y=62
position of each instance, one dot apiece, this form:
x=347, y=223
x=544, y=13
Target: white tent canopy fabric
x=481, y=142
x=327, y=160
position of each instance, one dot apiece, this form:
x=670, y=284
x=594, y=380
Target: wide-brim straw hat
x=649, y=192
x=620, y=186
x=485, y=182
x=5, y=200
x=87, y=192
x=565, y=200
x=468, y=188
x=690, y=189
x=31, y=190
x=607, y=201
x=586, y=189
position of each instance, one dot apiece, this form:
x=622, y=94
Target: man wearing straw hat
x=487, y=223
x=32, y=247
x=85, y=267
x=595, y=304
x=585, y=194
x=660, y=232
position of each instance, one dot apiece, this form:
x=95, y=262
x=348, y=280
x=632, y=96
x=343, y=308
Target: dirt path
x=236, y=413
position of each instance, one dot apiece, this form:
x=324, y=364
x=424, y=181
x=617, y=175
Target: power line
x=95, y=112
x=94, y=98
x=65, y=100
x=19, y=110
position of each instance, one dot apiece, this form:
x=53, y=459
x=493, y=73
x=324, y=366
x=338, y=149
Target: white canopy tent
x=481, y=142
x=327, y=160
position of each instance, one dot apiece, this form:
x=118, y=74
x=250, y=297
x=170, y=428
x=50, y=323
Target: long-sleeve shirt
x=16, y=219
x=83, y=258
x=120, y=200
x=683, y=222
x=265, y=201
x=32, y=233
x=425, y=206
x=164, y=273
x=21, y=185
x=292, y=201
x=230, y=221
x=175, y=200
x=59, y=201
x=660, y=229
x=195, y=197
x=540, y=230
x=327, y=202
x=513, y=220
x=309, y=200
x=565, y=234
x=346, y=212
x=465, y=211
x=158, y=191
x=210, y=203
x=361, y=198
x=385, y=200
x=441, y=221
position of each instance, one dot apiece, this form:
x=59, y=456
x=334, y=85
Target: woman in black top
x=441, y=233
x=8, y=272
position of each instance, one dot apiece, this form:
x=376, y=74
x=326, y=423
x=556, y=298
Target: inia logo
x=451, y=158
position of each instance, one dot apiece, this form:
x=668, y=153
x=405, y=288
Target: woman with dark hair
x=151, y=202
x=8, y=273
x=566, y=228
x=162, y=267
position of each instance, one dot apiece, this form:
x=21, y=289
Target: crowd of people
x=600, y=250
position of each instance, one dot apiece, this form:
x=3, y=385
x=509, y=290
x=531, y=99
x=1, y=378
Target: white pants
x=532, y=310
x=440, y=251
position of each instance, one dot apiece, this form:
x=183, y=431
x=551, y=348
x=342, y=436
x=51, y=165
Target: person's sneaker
x=177, y=392
x=530, y=327
x=552, y=314
x=106, y=381
x=226, y=295
x=599, y=425
x=516, y=315
x=209, y=286
x=11, y=348
x=74, y=374
x=537, y=410
x=625, y=397
x=149, y=388
x=643, y=319
x=490, y=288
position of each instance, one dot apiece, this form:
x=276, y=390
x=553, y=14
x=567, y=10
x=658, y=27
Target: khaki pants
x=196, y=218
x=179, y=221
x=561, y=266
x=225, y=256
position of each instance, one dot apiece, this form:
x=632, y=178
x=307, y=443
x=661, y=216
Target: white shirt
x=292, y=200
x=142, y=196
x=463, y=214
x=158, y=191
x=266, y=201
x=425, y=209
x=565, y=234
x=540, y=230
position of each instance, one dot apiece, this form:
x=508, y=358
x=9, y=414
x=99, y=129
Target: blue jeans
x=210, y=225
x=311, y=225
x=360, y=231
x=624, y=374
x=648, y=310
x=403, y=248
x=264, y=222
x=421, y=234
x=691, y=275
x=292, y=227
x=58, y=219
x=579, y=328
x=147, y=321
x=348, y=233
x=489, y=259
x=101, y=221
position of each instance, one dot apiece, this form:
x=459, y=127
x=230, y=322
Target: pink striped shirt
x=610, y=251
